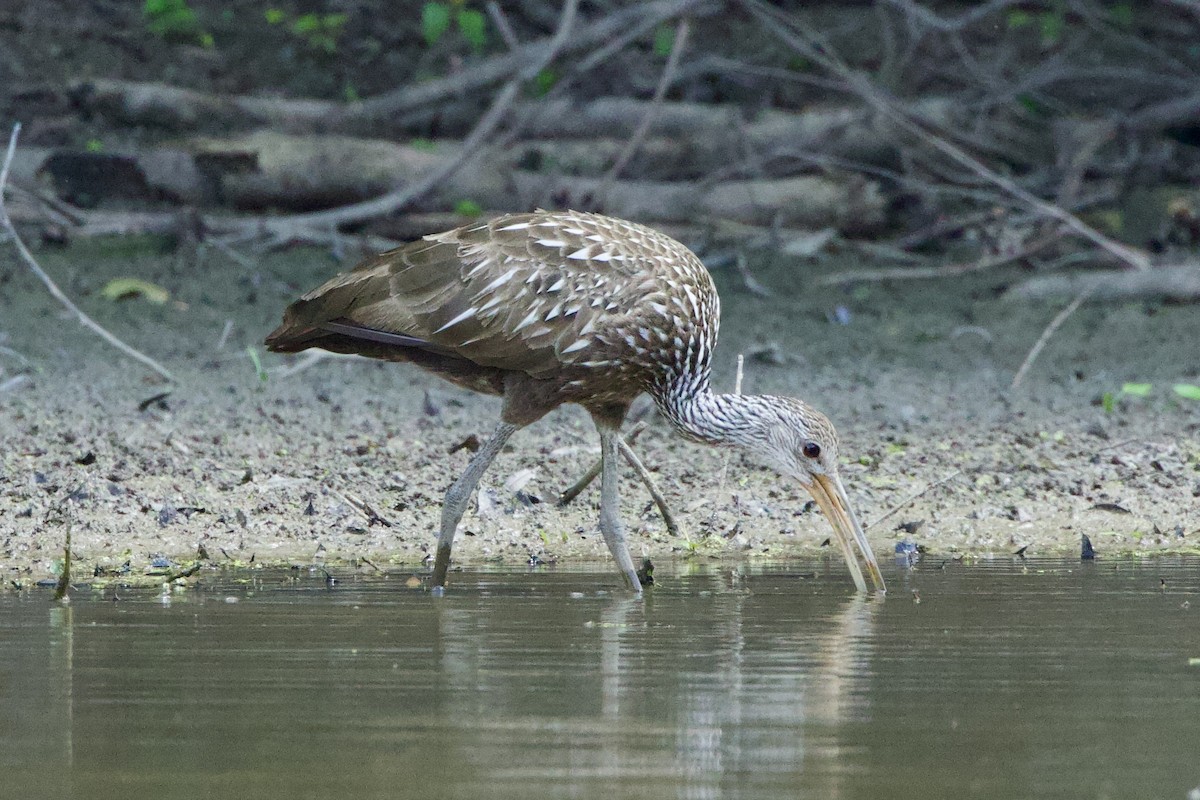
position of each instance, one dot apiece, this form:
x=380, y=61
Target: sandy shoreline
x=281, y=471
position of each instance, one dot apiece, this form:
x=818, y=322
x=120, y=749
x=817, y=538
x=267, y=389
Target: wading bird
x=568, y=307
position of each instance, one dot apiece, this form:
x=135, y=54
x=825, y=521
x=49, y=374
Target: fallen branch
x=664, y=81
x=807, y=201
x=1180, y=282
x=57, y=293
x=777, y=23
x=945, y=271
x=912, y=497
x=1034, y=351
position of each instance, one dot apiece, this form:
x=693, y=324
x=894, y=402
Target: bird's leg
x=644, y=474
x=610, y=508
x=459, y=495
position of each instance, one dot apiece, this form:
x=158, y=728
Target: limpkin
x=569, y=307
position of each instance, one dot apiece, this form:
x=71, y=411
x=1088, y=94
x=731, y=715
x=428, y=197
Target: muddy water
x=1005, y=680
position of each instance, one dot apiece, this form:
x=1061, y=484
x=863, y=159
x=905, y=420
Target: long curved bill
x=827, y=490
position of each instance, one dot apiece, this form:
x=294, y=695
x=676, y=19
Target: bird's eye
x=812, y=449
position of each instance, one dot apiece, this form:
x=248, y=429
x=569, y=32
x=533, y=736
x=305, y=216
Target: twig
x=8, y=351
x=57, y=293
x=234, y=255
x=225, y=331
x=1079, y=160
x=501, y=22
x=945, y=271
x=364, y=508
x=912, y=497
x=946, y=25
x=305, y=361
x=635, y=29
x=1046, y=334
x=508, y=65
x=13, y=383
x=942, y=227
x=593, y=472
x=752, y=284
x=183, y=573
x=1188, y=5
x=660, y=91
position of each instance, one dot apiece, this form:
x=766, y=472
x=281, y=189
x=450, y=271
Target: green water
x=1006, y=680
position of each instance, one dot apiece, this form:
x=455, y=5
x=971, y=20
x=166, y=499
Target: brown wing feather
x=528, y=292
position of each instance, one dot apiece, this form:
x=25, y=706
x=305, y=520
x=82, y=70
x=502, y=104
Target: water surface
x=1006, y=680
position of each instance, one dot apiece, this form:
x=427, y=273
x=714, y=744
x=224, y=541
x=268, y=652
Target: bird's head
x=800, y=442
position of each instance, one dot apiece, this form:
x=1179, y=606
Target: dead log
x=313, y=172
x=1180, y=282
x=711, y=132
x=263, y=170
x=270, y=170
x=807, y=201
x=177, y=109
x=173, y=108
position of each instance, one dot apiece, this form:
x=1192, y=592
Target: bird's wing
x=528, y=292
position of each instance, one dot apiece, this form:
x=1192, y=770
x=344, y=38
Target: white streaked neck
x=724, y=420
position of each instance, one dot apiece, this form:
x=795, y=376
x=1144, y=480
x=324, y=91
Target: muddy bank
x=348, y=459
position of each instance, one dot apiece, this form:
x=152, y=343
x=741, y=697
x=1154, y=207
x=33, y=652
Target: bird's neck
x=699, y=413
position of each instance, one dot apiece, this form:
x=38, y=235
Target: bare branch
x=664, y=82
x=526, y=61
x=31, y=262
x=946, y=271
x=947, y=25
x=1058, y=320
x=501, y=22
x=811, y=48
x=283, y=227
x=911, y=497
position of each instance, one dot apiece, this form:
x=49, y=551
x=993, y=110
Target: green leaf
x=1137, y=389
x=1122, y=14
x=1108, y=402
x=468, y=208
x=1188, y=391
x=1018, y=19
x=350, y=94
x=121, y=288
x=274, y=16
x=1052, y=25
x=435, y=21
x=170, y=18
x=664, y=40
x=259, y=369
x=94, y=146
x=305, y=24
x=1033, y=105
x=544, y=81
x=473, y=26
